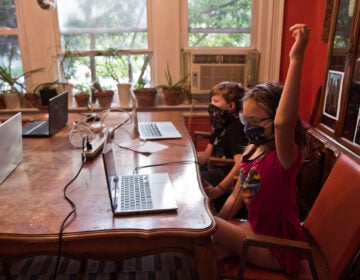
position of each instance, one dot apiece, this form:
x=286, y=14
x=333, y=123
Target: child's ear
x=231, y=105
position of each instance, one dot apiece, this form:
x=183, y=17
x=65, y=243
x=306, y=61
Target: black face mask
x=255, y=134
x=218, y=117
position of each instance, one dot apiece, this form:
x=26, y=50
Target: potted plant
x=46, y=91
x=82, y=96
x=172, y=92
x=31, y=99
x=67, y=69
x=104, y=96
x=12, y=87
x=145, y=96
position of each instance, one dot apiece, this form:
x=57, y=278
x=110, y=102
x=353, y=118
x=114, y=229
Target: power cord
x=136, y=169
x=73, y=210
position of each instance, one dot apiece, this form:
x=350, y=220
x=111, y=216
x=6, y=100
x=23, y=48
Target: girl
x=269, y=166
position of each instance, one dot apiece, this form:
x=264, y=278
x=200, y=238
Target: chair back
x=333, y=222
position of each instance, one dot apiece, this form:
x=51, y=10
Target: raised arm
x=287, y=111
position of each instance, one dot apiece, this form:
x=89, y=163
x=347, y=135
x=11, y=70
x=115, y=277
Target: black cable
x=165, y=163
x=62, y=227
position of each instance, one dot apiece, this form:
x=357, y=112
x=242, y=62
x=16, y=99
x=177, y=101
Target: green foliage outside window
x=219, y=23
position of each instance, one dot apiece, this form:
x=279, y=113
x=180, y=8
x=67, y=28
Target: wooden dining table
x=33, y=206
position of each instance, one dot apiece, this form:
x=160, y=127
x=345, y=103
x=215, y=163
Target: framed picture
x=357, y=130
x=333, y=94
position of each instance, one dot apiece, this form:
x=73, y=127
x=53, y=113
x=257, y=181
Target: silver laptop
x=58, y=117
x=137, y=193
x=11, y=147
x=154, y=130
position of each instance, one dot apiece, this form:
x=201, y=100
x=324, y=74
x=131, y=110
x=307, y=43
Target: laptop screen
x=11, y=147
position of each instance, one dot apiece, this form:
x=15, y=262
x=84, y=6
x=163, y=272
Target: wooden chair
x=332, y=229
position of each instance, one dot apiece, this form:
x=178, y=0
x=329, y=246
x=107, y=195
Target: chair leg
x=6, y=269
x=83, y=265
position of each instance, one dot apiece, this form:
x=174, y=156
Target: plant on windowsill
x=46, y=91
x=104, y=96
x=145, y=96
x=172, y=91
x=113, y=68
x=66, y=64
x=82, y=95
x=12, y=87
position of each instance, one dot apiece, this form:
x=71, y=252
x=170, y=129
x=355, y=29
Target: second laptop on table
x=154, y=130
x=58, y=117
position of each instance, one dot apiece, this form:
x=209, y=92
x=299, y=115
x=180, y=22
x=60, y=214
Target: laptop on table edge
x=161, y=189
x=57, y=118
x=166, y=128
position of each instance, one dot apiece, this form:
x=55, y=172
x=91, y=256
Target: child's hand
x=212, y=192
x=301, y=33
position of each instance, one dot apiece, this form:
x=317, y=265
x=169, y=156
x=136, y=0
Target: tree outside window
x=219, y=23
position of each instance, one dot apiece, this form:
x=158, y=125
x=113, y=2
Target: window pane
x=10, y=59
x=7, y=14
x=99, y=25
x=219, y=23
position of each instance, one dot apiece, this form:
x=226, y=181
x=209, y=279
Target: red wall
x=312, y=13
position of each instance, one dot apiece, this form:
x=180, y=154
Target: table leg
x=206, y=262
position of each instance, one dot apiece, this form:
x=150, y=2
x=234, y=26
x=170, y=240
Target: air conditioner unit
x=208, y=69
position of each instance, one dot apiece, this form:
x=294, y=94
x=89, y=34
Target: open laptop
x=154, y=130
x=58, y=117
x=11, y=147
x=137, y=193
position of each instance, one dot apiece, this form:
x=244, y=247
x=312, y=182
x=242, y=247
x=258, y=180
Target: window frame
x=335, y=135
x=93, y=53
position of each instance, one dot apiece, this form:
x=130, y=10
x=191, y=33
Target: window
x=10, y=56
x=219, y=23
x=340, y=111
x=104, y=40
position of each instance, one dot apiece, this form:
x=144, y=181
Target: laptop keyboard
x=36, y=128
x=135, y=193
x=150, y=130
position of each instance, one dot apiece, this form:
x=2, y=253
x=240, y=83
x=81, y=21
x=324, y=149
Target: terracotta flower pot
x=32, y=100
x=105, y=98
x=82, y=99
x=2, y=104
x=172, y=96
x=145, y=97
x=11, y=100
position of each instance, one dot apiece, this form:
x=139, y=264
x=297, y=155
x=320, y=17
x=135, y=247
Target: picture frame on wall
x=333, y=94
x=357, y=130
